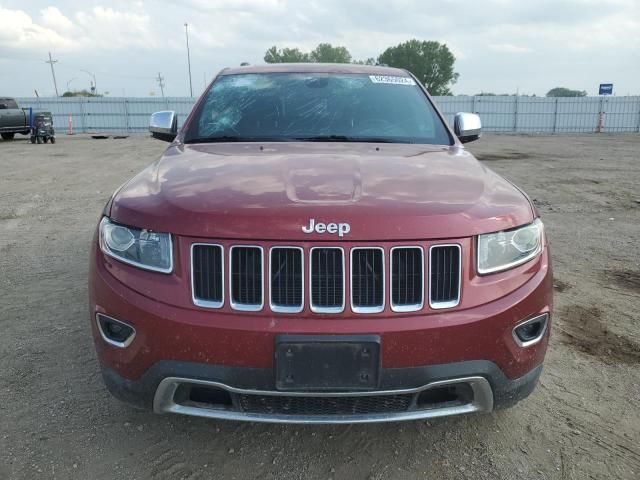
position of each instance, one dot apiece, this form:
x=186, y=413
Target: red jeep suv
x=316, y=246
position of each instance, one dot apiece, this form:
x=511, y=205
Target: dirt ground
x=58, y=421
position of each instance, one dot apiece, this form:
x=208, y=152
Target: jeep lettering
x=340, y=228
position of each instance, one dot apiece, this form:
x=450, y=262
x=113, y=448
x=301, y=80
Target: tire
x=45, y=139
x=8, y=136
x=38, y=140
x=33, y=139
x=53, y=139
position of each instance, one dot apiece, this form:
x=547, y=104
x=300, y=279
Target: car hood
x=270, y=191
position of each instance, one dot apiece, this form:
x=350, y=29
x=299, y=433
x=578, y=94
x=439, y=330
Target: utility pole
x=53, y=73
x=186, y=32
x=160, y=79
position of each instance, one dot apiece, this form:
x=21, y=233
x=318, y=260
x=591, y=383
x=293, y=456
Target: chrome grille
x=207, y=279
x=327, y=279
x=326, y=276
x=286, y=279
x=407, y=279
x=367, y=280
x=246, y=278
x=444, y=282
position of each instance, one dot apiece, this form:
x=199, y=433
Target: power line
x=160, y=79
x=53, y=73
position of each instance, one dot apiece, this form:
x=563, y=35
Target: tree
x=368, y=61
x=80, y=93
x=565, y=92
x=286, y=55
x=431, y=62
x=327, y=53
x=323, y=53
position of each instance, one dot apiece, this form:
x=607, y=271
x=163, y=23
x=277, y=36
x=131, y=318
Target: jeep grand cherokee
x=316, y=245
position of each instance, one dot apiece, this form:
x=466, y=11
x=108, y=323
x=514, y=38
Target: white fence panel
x=498, y=113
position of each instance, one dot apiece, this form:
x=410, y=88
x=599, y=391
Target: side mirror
x=467, y=127
x=164, y=125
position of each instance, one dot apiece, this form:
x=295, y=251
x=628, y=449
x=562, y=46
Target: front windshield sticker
x=392, y=80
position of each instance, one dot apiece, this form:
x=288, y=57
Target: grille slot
x=246, y=278
x=367, y=280
x=286, y=279
x=343, y=405
x=327, y=279
x=407, y=279
x=207, y=275
x=444, y=283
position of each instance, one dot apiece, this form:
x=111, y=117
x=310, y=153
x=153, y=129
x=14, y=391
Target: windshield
x=316, y=107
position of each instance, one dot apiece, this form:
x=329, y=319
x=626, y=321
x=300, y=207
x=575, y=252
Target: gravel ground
x=58, y=421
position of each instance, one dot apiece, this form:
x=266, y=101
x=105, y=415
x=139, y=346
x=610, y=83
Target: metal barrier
x=533, y=115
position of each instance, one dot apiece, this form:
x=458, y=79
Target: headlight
x=504, y=250
x=142, y=248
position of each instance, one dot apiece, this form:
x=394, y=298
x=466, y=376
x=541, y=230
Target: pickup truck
x=13, y=119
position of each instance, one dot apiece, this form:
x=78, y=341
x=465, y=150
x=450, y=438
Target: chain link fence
x=533, y=115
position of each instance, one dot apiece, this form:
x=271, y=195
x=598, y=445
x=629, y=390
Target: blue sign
x=606, y=89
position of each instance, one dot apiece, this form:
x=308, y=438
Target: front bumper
x=160, y=389
x=234, y=353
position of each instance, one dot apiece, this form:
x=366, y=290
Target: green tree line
x=431, y=62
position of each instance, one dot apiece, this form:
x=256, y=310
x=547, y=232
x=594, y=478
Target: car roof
x=317, y=68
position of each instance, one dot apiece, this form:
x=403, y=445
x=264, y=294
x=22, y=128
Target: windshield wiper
x=231, y=138
x=347, y=138
x=314, y=138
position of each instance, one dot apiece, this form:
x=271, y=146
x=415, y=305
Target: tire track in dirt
x=583, y=328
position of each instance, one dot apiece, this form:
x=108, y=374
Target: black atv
x=42, y=128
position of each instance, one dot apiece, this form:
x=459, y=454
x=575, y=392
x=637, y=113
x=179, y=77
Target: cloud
x=18, y=31
x=100, y=27
x=249, y=6
x=508, y=48
x=54, y=19
x=111, y=29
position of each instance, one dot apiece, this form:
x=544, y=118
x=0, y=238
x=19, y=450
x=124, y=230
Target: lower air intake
x=267, y=404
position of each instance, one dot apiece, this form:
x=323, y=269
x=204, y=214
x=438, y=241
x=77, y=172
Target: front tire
x=8, y=136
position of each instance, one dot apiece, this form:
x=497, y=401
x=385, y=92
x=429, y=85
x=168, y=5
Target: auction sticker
x=392, y=80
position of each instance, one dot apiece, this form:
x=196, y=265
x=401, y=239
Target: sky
x=501, y=46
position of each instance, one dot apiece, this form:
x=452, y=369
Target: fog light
x=531, y=331
x=115, y=332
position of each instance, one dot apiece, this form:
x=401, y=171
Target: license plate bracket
x=327, y=362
